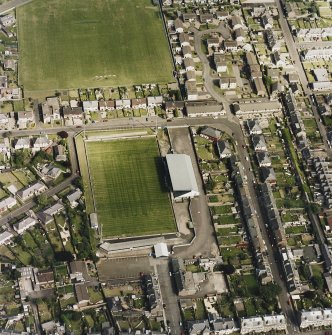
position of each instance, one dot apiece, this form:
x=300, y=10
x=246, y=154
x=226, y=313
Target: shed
x=160, y=250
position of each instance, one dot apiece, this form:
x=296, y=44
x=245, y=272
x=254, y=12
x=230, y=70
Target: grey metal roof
x=181, y=172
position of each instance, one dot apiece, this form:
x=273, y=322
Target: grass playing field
x=128, y=187
x=91, y=43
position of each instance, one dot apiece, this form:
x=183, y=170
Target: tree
x=269, y=292
x=318, y=282
x=21, y=158
x=227, y=269
x=62, y=134
x=42, y=199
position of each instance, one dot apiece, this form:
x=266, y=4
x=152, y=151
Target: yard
x=128, y=185
x=94, y=44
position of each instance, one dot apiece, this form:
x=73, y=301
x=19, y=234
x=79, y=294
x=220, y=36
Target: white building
x=74, y=197
x=90, y=106
x=7, y=204
x=22, y=143
x=182, y=176
x=317, y=54
x=5, y=237
x=31, y=190
x=21, y=226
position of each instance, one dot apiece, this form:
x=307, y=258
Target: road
x=170, y=298
x=10, y=5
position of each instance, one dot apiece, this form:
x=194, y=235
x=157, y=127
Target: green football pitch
x=128, y=185
x=91, y=43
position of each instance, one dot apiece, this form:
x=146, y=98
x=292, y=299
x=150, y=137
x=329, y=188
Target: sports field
x=128, y=187
x=91, y=43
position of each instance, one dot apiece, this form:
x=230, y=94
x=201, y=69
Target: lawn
x=92, y=43
x=129, y=188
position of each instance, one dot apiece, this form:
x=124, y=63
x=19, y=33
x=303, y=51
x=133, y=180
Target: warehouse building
x=182, y=176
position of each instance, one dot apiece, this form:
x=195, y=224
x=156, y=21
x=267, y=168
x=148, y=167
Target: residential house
x=250, y=110
x=186, y=51
x=268, y=175
x=255, y=71
x=224, y=326
x=9, y=65
x=224, y=150
x=82, y=295
x=210, y=133
x=78, y=271
x=251, y=58
x=72, y=112
x=5, y=237
x=263, y=159
x=191, y=90
x=236, y=22
x=202, y=109
x=54, y=209
x=317, y=54
x=189, y=64
x=313, y=318
x=189, y=17
x=24, y=118
x=191, y=75
x=220, y=62
x=266, y=21
x=122, y=104
x=277, y=60
x=184, y=39
x=232, y=83
x=227, y=83
x=156, y=101
x=42, y=143
x=198, y=327
x=213, y=42
x=7, y=203
x=45, y=278
x=60, y=153
x=230, y=46
x=138, y=103
x=44, y=218
x=22, y=143
x=4, y=119
x=265, y=324
x=21, y=226
x=178, y=25
x=74, y=197
x=254, y=128
x=222, y=15
x=3, y=81
x=30, y=191
x=258, y=143
x=12, y=189
x=239, y=35
x=171, y=106
x=8, y=20
x=90, y=106
x=6, y=32
x=206, y=17
x=52, y=109
x=259, y=87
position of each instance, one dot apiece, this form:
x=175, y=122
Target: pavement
x=10, y=5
